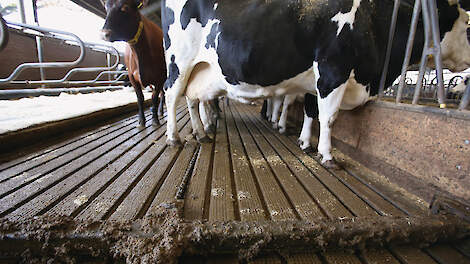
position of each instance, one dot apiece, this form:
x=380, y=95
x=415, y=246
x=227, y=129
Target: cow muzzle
x=106, y=34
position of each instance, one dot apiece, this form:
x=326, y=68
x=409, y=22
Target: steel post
x=409, y=48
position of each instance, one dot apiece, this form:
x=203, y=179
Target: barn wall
x=424, y=149
x=21, y=48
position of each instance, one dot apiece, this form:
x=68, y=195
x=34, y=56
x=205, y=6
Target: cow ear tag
x=140, y=5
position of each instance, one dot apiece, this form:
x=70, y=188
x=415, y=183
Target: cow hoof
x=204, y=139
x=275, y=126
x=174, y=143
x=212, y=129
x=156, y=122
x=282, y=130
x=308, y=150
x=331, y=164
x=140, y=126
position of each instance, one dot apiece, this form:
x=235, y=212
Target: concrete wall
x=424, y=149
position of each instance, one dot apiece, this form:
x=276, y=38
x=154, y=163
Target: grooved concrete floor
x=250, y=172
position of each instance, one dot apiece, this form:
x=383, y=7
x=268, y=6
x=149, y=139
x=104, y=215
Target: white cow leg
x=306, y=134
x=171, y=97
x=198, y=130
x=288, y=100
x=277, y=102
x=204, y=112
x=328, y=110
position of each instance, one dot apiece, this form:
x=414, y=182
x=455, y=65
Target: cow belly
x=302, y=83
x=355, y=94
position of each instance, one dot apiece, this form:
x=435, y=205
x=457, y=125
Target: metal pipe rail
x=4, y=35
x=431, y=47
x=66, y=79
x=34, y=65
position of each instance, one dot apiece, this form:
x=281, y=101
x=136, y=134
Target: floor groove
x=249, y=172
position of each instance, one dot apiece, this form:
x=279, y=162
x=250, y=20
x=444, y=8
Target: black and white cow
x=272, y=106
x=250, y=49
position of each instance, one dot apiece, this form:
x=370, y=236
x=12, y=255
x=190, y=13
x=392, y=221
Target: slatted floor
x=249, y=172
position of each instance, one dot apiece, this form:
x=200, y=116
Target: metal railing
x=4, y=35
x=67, y=36
x=431, y=48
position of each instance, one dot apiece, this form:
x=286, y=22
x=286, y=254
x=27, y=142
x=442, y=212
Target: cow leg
x=264, y=109
x=140, y=103
x=269, y=110
x=328, y=111
x=306, y=134
x=205, y=113
x=160, y=105
x=171, y=97
x=155, y=106
x=277, y=102
x=310, y=114
x=215, y=109
x=198, y=131
x=288, y=100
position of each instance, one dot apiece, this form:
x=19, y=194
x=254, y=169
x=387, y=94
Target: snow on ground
x=22, y=113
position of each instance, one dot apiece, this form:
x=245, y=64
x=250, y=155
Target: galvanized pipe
x=437, y=53
x=409, y=48
x=25, y=66
x=391, y=35
x=424, y=56
x=22, y=11
x=68, y=76
x=64, y=80
x=4, y=34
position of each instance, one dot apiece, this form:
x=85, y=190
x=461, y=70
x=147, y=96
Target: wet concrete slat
x=100, y=206
x=333, y=208
x=303, y=259
x=277, y=204
x=196, y=193
x=348, y=198
x=85, y=192
x=36, y=163
x=132, y=205
x=411, y=255
x=380, y=184
x=330, y=204
x=249, y=201
x=302, y=202
x=223, y=259
x=167, y=192
x=22, y=164
x=266, y=260
x=341, y=257
x=40, y=183
x=379, y=203
x=376, y=256
x=447, y=255
x=66, y=159
x=221, y=207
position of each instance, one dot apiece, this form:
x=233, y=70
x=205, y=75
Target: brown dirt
x=164, y=236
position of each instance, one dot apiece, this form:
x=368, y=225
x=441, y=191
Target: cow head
x=455, y=45
x=122, y=19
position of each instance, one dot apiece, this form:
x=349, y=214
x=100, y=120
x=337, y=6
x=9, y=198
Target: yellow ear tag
x=139, y=6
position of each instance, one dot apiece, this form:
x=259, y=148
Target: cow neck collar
x=136, y=37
